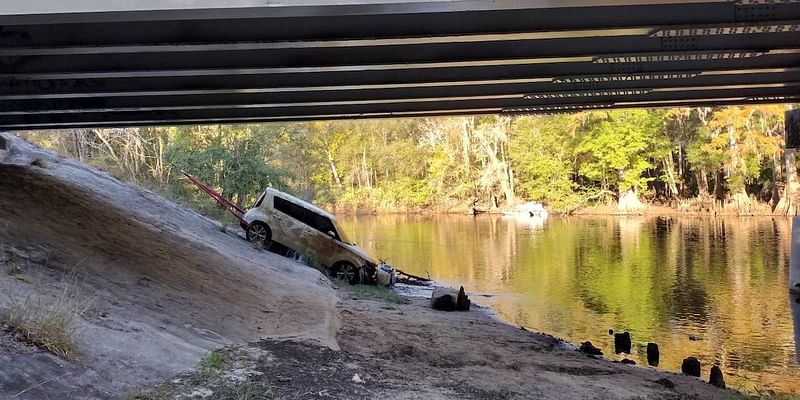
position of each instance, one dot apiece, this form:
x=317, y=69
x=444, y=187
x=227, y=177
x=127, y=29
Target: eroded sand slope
x=164, y=284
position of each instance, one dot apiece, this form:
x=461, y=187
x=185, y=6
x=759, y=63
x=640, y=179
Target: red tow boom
x=223, y=202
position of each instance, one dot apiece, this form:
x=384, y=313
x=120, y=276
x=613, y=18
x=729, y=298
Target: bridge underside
x=279, y=63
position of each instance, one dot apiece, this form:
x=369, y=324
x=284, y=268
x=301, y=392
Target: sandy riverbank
x=402, y=349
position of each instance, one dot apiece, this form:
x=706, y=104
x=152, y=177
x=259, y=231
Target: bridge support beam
x=794, y=260
x=792, y=139
x=794, y=299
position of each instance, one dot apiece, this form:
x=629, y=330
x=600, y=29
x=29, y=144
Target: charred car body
x=280, y=218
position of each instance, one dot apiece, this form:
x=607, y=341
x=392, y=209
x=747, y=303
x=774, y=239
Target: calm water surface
x=723, y=281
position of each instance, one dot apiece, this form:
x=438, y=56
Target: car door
x=322, y=243
x=289, y=219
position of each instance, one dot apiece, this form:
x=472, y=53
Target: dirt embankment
x=164, y=286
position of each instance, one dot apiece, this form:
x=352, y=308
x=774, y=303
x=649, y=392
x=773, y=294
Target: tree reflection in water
x=721, y=281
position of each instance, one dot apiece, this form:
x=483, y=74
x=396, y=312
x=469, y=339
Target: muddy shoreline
x=402, y=349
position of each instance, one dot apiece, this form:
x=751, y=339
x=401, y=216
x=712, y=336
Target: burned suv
x=280, y=218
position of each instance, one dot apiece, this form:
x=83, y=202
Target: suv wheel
x=348, y=272
x=259, y=233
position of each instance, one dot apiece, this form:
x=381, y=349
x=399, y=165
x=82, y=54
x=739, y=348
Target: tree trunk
x=508, y=176
x=78, y=149
x=788, y=202
x=333, y=169
x=465, y=146
x=365, y=168
x=777, y=181
x=719, y=189
x=702, y=180
x=669, y=168
x=629, y=203
x=741, y=203
x=681, y=173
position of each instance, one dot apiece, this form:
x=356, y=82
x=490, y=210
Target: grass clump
x=211, y=364
x=246, y=390
x=51, y=324
x=367, y=292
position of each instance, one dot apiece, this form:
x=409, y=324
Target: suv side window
x=321, y=223
x=290, y=209
x=308, y=217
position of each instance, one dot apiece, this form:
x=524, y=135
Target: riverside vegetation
x=709, y=160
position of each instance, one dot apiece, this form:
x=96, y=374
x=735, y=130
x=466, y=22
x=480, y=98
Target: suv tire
x=346, y=271
x=259, y=233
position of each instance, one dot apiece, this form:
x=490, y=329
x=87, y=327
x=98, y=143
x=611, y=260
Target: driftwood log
x=449, y=299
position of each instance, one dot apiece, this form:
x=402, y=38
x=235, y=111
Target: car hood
x=359, y=252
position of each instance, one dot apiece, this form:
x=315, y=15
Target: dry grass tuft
x=51, y=324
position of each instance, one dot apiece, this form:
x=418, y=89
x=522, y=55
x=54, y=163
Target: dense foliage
x=716, y=157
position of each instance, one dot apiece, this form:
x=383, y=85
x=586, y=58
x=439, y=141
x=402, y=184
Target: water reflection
x=720, y=281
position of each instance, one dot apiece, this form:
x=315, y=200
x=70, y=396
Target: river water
x=715, y=289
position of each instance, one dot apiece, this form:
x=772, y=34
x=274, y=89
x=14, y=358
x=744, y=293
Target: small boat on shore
x=530, y=209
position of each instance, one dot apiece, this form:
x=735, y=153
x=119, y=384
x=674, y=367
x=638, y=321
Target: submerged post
x=793, y=142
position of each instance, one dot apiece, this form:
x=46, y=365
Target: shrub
x=212, y=364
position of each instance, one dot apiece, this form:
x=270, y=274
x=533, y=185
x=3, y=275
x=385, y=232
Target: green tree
x=234, y=158
x=615, y=150
x=541, y=152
